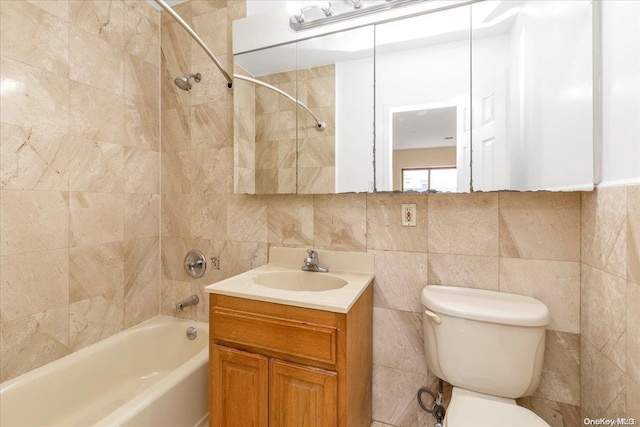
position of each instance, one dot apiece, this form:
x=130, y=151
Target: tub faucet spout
x=192, y=300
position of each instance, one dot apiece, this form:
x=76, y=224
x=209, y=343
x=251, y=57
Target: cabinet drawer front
x=314, y=342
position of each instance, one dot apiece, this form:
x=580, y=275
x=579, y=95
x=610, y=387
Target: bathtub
x=148, y=375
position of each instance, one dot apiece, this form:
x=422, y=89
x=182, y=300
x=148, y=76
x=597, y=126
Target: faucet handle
x=312, y=254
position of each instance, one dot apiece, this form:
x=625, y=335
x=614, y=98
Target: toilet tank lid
x=486, y=306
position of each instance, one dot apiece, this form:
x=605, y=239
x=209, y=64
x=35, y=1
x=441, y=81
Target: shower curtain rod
x=320, y=125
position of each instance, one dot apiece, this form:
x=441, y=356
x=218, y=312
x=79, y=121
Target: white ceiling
x=424, y=128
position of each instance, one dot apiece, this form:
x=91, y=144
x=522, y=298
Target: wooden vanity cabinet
x=283, y=366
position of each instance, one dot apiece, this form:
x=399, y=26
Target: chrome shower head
x=183, y=82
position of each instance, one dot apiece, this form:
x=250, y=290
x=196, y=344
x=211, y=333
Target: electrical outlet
x=409, y=215
x=215, y=263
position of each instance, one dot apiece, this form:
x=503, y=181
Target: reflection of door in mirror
x=423, y=141
x=423, y=67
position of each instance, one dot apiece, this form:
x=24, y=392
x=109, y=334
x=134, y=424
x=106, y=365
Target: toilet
x=490, y=347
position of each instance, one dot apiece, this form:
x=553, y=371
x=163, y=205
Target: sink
x=299, y=281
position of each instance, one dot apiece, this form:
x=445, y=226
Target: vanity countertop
x=356, y=268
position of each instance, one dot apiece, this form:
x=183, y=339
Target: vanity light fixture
x=337, y=11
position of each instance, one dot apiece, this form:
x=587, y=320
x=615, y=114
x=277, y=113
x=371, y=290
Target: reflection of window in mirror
x=440, y=180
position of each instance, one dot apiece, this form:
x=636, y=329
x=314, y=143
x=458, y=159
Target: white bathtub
x=149, y=375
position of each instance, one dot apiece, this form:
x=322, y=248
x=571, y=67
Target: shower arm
x=320, y=125
x=197, y=38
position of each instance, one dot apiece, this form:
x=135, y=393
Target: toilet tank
x=484, y=341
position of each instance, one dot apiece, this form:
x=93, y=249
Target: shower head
x=183, y=82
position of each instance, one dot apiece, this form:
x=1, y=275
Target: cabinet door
x=238, y=389
x=301, y=396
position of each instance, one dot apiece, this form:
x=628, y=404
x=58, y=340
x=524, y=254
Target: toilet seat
x=470, y=409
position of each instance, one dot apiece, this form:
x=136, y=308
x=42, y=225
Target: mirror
x=496, y=95
x=278, y=147
x=423, y=93
x=532, y=95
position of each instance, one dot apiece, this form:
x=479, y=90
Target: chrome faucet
x=192, y=300
x=311, y=263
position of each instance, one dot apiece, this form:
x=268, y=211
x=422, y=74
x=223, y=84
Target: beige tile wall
x=610, y=303
x=79, y=169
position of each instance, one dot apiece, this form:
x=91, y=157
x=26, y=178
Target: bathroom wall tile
x=175, y=215
x=101, y=18
x=142, y=92
x=31, y=35
x=141, y=81
x=633, y=399
x=95, y=319
x=207, y=216
x=176, y=172
x=144, y=8
x=633, y=237
x=175, y=43
x=96, y=218
x=394, y=397
x=339, y=221
x=213, y=87
x=37, y=98
x=555, y=283
x=239, y=257
x=54, y=7
x=212, y=28
x=142, y=215
x=176, y=129
x=95, y=270
x=30, y=342
x=319, y=180
x=468, y=271
x=384, y=223
x=32, y=159
x=34, y=221
x=464, y=224
x=540, y=225
x=95, y=114
x=141, y=302
x=247, y=218
x=397, y=340
x=560, y=379
x=209, y=171
x=400, y=278
x=317, y=151
x=603, y=385
x=379, y=424
x=141, y=171
x=142, y=34
x=141, y=126
x=27, y=289
x=633, y=331
x=173, y=291
x=290, y=219
x=604, y=229
x=554, y=413
x=141, y=279
x=96, y=166
x=603, y=313
x=209, y=126
x=173, y=251
x=200, y=7
x=236, y=10
x=244, y=181
x=95, y=62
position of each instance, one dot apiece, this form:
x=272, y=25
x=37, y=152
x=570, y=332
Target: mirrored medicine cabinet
x=493, y=95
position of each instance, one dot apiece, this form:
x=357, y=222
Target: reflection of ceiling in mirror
x=424, y=128
x=490, y=18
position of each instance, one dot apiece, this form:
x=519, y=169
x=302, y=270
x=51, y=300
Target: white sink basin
x=299, y=281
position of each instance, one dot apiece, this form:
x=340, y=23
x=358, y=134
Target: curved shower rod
x=320, y=125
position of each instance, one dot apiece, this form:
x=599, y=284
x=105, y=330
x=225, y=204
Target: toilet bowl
x=490, y=347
